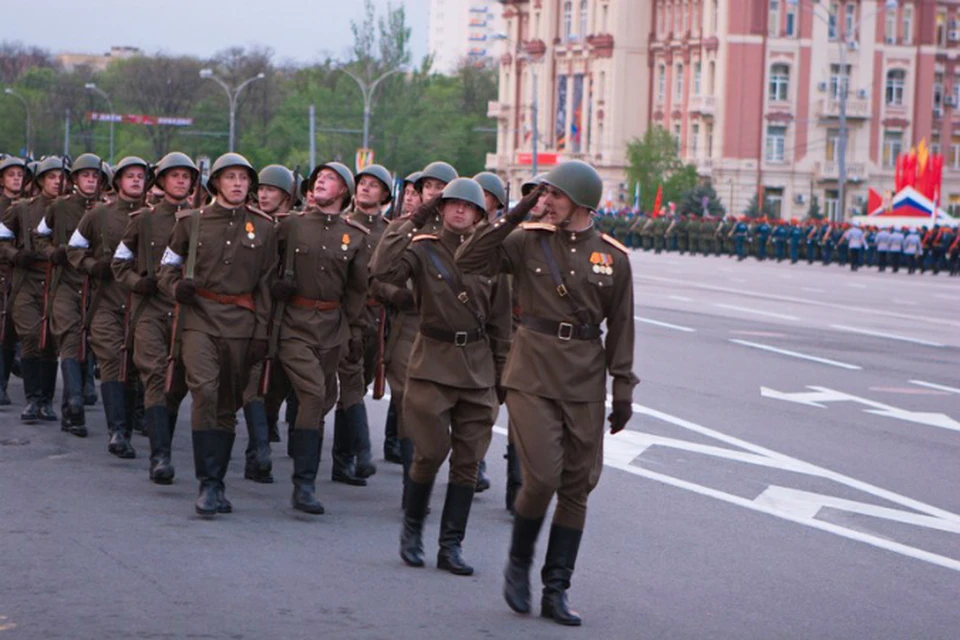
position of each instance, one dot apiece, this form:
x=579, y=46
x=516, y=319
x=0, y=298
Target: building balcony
x=830, y=171
x=704, y=105
x=498, y=110
x=857, y=108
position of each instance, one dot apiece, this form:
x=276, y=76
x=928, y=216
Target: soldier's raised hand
x=520, y=212
x=426, y=211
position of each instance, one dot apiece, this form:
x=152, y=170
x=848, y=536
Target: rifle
x=51, y=276
x=506, y=197
x=380, y=367
x=273, y=345
x=3, y=313
x=175, y=343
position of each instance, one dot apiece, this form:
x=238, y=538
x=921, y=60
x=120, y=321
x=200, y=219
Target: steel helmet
x=579, y=181
x=492, y=185
x=276, y=175
x=441, y=171
x=412, y=178
x=532, y=184
x=226, y=161
x=13, y=161
x=176, y=160
x=88, y=161
x=379, y=172
x=53, y=163
x=341, y=169
x=126, y=163
x=465, y=189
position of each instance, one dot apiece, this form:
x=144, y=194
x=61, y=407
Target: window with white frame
x=709, y=136
x=695, y=140
x=583, y=17
x=790, y=25
x=850, y=21
x=779, y=83
x=678, y=91
x=661, y=12
x=711, y=78
x=955, y=151
x=697, y=81
x=892, y=147
x=831, y=203
x=938, y=94
x=776, y=143
x=896, y=80
x=890, y=27
x=839, y=81
x=568, y=19
x=715, y=17
x=832, y=21
x=907, y=25
x=685, y=18
x=833, y=145
x=774, y=198
x=935, y=144
x=661, y=82
x=773, y=20
x=676, y=137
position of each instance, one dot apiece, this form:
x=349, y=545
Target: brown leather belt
x=457, y=338
x=562, y=330
x=318, y=305
x=244, y=300
x=39, y=266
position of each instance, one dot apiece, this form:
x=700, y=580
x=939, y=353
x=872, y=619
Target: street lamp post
x=90, y=86
x=843, y=87
x=26, y=110
x=367, y=89
x=232, y=95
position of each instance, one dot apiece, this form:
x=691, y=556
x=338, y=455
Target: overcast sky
x=300, y=31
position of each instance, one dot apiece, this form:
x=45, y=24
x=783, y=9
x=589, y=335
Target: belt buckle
x=460, y=339
x=564, y=331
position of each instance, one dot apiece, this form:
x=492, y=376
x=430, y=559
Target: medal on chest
x=602, y=263
x=250, y=231
x=345, y=242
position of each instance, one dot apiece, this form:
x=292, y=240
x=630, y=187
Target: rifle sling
x=289, y=271
x=452, y=280
x=562, y=289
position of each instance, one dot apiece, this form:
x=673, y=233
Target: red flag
x=874, y=200
x=657, y=203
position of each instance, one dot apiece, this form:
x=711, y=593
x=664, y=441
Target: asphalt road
x=791, y=472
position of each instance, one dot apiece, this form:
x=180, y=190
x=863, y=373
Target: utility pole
x=232, y=95
x=367, y=89
x=90, y=86
x=66, y=133
x=535, y=113
x=313, y=138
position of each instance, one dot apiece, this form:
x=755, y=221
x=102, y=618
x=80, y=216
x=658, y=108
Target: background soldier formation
x=255, y=289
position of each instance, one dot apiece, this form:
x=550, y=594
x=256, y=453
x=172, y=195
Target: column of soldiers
x=931, y=248
x=234, y=293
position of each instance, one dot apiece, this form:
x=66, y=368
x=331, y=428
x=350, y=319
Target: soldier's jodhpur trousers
x=313, y=373
x=216, y=372
x=560, y=445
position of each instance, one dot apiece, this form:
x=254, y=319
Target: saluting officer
x=569, y=279
x=323, y=290
x=451, y=398
x=136, y=263
x=30, y=277
x=13, y=177
x=219, y=265
x=65, y=290
x=90, y=250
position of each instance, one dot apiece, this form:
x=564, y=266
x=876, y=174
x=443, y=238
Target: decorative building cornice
x=602, y=44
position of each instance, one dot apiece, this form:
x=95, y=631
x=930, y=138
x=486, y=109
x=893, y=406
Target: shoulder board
x=424, y=236
x=134, y=214
x=185, y=213
x=614, y=242
x=540, y=226
x=260, y=213
x=354, y=223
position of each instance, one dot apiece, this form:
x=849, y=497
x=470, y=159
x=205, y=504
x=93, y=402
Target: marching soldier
x=13, y=177
x=90, y=251
x=352, y=459
x=322, y=293
x=570, y=279
x=433, y=179
x=135, y=264
x=65, y=301
x=218, y=266
x=451, y=399
x=31, y=275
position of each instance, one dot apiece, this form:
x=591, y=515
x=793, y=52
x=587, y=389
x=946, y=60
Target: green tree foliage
x=692, y=202
x=417, y=115
x=813, y=211
x=753, y=210
x=653, y=161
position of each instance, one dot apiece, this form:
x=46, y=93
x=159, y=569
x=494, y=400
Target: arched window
x=896, y=80
x=567, y=19
x=679, y=89
x=779, y=83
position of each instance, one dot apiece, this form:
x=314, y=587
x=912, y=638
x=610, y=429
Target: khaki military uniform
x=556, y=371
x=235, y=264
x=95, y=239
x=330, y=256
x=6, y=273
x=450, y=403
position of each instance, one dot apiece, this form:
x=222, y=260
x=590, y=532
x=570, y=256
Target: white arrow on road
x=820, y=395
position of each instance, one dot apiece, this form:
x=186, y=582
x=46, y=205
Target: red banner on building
x=547, y=159
x=135, y=118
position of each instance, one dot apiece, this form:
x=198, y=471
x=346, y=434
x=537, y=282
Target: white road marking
x=758, y=312
x=931, y=385
x=856, y=285
x=881, y=334
x=666, y=325
x=681, y=298
x=795, y=354
x=739, y=279
x=812, y=289
x=820, y=395
x=944, y=296
x=908, y=303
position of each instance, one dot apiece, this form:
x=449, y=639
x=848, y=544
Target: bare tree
x=17, y=58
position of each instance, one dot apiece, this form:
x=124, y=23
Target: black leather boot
x=306, y=461
x=74, y=418
x=30, y=370
x=48, y=389
x=134, y=405
x=411, y=535
x=258, y=465
x=406, y=457
x=343, y=468
x=483, y=482
x=453, y=528
x=516, y=576
x=556, y=573
x=273, y=417
x=205, y=467
x=6, y=358
x=360, y=432
x=223, y=445
x=514, y=478
x=89, y=383
x=114, y=408
x=391, y=441
x=157, y=420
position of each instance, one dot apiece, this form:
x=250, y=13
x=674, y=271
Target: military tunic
x=556, y=371
x=6, y=272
